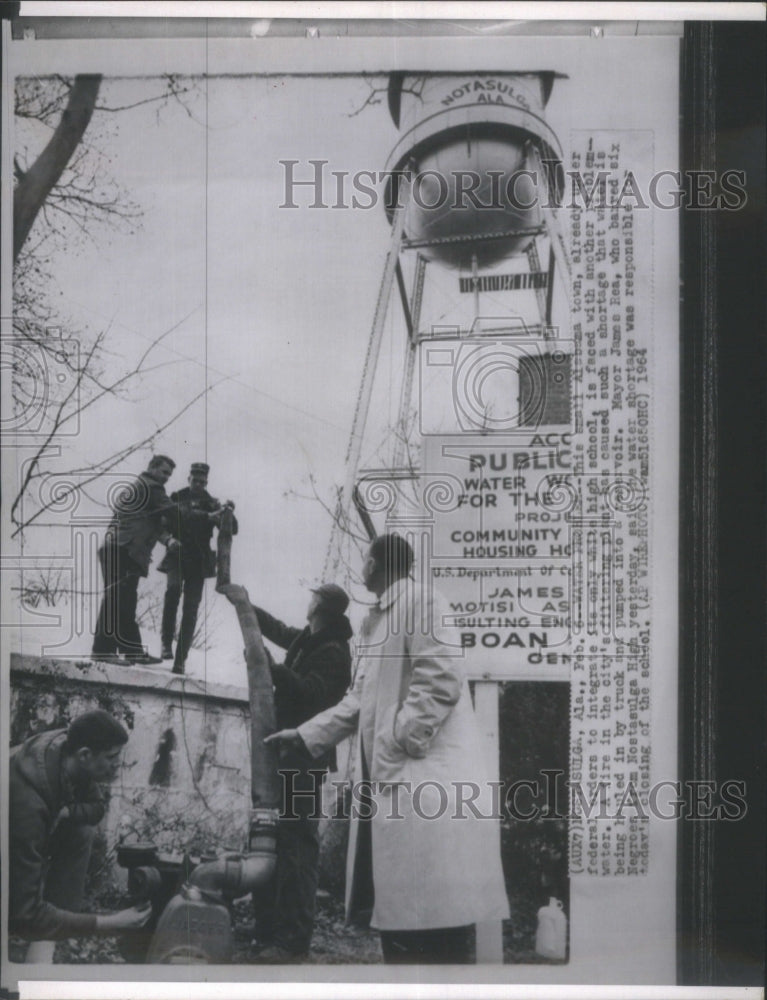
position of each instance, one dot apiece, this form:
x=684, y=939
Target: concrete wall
x=185, y=779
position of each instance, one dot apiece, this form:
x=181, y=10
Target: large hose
x=236, y=876
x=242, y=875
x=224, y=547
x=201, y=901
x=264, y=779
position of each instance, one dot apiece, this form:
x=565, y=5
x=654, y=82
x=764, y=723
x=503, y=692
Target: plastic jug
x=551, y=935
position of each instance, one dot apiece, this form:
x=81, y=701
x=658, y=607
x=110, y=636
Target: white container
x=551, y=936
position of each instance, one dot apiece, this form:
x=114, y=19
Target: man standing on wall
x=315, y=675
x=54, y=805
x=427, y=867
x=192, y=524
x=139, y=521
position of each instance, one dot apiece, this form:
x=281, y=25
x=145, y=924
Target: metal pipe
x=235, y=875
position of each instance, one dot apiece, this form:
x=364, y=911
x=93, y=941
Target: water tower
x=486, y=160
x=474, y=182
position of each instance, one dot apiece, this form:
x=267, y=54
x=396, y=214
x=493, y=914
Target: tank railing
x=537, y=331
x=504, y=234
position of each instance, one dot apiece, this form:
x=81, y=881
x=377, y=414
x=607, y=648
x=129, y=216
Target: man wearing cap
x=314, y=676
x=54, y=805
x=195, y=516
x=421, y=867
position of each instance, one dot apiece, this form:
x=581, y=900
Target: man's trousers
x=116, y=627
x=192, y=585
x=285, y=914
x=441, y=946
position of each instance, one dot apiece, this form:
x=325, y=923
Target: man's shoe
x=145, y=660
x=167, y=652
x=178, y=668
x=273, y=954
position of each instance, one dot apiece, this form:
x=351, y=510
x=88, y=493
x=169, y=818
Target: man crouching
x=54, y=807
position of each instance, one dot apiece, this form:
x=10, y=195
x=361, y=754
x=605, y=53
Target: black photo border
x=723, y=654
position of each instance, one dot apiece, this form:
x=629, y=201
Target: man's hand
x=215, y=515
x=286, y=737
x=173, y=545
x=131, y=919
x=235, y=593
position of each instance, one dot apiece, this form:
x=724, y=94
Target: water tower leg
x=534, y=261
x=475, y=282
x=354, y=448
x=406, y=395
x=550, y=285
x=554, y=222
x=486, y=705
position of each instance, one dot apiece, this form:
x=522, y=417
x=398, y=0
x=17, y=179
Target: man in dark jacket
x=195, y=515
x=54, y=805
x=139, y=521
x=314, y=676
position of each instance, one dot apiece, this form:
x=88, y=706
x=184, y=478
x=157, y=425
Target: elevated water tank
x=474, y=143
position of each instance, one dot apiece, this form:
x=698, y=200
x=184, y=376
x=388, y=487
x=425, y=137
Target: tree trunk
x=35, y=186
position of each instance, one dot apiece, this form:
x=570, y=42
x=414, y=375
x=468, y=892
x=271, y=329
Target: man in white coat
x=423, y=845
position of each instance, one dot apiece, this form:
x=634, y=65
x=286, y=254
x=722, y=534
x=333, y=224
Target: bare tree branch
x=378, y=86
x=68, y=190
x=36, y=184
x=94, y=470
x=174, y=90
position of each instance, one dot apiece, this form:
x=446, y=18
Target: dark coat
x=37, y=792
x=190, y=524
x=314, y=677
x=139, y=518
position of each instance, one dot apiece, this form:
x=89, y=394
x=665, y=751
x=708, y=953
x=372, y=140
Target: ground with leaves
x=333, y=942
